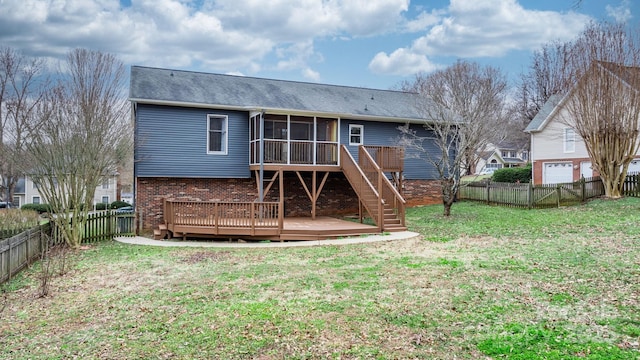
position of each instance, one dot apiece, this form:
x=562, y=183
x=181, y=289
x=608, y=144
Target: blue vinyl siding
x=385, y=133
x=172, y=142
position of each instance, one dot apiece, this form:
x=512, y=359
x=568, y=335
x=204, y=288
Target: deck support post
x=281, y=203
x=316, y=190
x=314, y=197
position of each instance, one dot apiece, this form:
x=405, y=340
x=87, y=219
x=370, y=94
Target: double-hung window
x=356, y=134
x=217, y=138
x=569, y=140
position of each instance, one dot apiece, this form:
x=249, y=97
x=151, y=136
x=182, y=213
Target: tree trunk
x=612, y=186
x=448, y=195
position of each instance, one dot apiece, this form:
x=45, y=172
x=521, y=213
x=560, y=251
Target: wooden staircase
x=382, y=201
x=161, y=232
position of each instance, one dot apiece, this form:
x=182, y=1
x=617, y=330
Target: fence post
x=488, y=187
x=583, y=186
x=530, y=195
x=559, y=193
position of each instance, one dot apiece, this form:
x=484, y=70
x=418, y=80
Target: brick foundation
x=337, y=196
x=422, y=192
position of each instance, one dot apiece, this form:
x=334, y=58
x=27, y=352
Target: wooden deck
x=293, y=229
x=265, y=220
x=323, y=227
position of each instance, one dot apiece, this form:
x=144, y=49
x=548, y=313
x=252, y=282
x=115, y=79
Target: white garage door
x=634, y=166
x=586, y=171
x=554, y=173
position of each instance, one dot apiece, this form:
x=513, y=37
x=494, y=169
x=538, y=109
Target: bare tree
x=604, y=104
x=85, y=137
x=463, y=106
x=22, y=86
x=545, y=78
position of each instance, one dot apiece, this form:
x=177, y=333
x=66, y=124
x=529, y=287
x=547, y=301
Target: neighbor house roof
x=538, y=122
x=187, y=88
x=628, y=74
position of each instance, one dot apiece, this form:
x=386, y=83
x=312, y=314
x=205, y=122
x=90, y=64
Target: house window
x=16, y=201
x=356, y=133
x=105, y=184
x=217, y=134
x=35, y=200
x=569, y=140
x=105, y=199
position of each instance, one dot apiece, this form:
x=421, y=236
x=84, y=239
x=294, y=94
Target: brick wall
x=337, y=196
x=422, y=192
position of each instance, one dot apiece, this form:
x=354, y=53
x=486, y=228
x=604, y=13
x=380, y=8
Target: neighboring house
x=558, y=153
x=199, y=135
x=502, y=155
x=26, y=192
x=19, y=193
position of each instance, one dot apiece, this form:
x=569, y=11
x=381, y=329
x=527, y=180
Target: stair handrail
x=345, y=155
x=398, y=201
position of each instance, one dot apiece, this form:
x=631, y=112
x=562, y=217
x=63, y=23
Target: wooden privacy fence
x=532, y=196
x=20, y=250
x=631, y=185
x=102, y=226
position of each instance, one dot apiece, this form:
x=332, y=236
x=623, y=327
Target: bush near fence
x=542, y=196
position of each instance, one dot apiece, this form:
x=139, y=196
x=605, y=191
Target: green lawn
x=489, y=282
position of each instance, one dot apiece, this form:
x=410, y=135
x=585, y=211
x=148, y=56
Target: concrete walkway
x=139, y=240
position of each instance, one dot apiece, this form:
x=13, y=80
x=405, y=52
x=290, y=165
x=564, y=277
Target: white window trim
x=225, y=134
x=569, y=143
x=361, y=127
x=33, y=198
x=105, y=197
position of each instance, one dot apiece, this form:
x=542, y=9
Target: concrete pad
x=139, y=240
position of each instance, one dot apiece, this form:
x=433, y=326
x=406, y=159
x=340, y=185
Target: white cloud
x=294, y=20
x=482, y=28
x=477, y=28
x=217, y=35
x=401, y=62
x=310, y=74
x=620, y=13
x=424, y=20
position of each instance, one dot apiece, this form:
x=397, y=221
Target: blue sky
x=369, y=43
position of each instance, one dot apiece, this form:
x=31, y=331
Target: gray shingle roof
x=539, y=120
x=168, y=86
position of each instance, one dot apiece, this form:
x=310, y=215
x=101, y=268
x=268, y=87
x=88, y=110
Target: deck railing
x=212, y=216
x=389, y=158
x=363, y=187
x=389, y=194
x=295, y=152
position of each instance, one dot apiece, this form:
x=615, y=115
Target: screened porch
x=294, y=140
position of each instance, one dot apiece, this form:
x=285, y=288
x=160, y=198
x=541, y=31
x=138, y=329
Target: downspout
x=261, y=156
